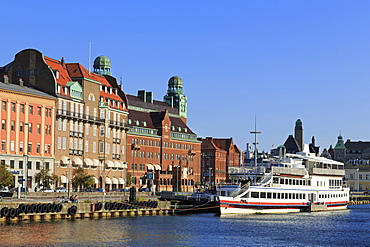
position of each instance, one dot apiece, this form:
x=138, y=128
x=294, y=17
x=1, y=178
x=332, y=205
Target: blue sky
x=277, y=60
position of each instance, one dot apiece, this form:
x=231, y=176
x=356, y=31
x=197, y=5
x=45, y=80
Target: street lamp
x=69, y=177
x=25, y=160
x=177, y=178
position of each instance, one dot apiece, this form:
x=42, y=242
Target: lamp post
x=25, y=160
x=69, y=177
x=177, y=178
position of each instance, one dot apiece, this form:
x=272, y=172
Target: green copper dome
x=298, y=123
x=102, y=61
x=175, y=81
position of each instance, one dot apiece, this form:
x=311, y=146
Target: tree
x=81, y=179
x=128, y=179
x=6, y=177
x=44, y=178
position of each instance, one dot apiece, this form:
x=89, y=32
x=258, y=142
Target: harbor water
x=331, y=228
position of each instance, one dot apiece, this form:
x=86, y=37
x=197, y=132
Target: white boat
x=291, y=183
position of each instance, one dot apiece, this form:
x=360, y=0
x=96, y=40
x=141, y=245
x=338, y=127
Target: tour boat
x=291, y=183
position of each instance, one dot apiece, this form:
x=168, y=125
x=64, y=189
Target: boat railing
x=240, y=190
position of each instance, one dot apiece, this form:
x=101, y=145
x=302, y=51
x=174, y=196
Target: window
x=38, y=129
x=48, y=112
x=3, y=106
x=35, y=72
x=21, y=108
x=29, y=165
x=12, y=144
x=13, y=107
x=39, y=111
x=47, y=166
x=3, y=124
x=20, y=164
x=30, y=127
x=11, y=164
x=30, y=110
x=38, y=148
x=12, y=125
x=38, y=165
x=21, y=147
x=101, y=147
x=29, y=147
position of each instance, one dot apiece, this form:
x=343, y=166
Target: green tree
x=128, y=179
x=81, y=179
x=45, y=178
x=6, y=177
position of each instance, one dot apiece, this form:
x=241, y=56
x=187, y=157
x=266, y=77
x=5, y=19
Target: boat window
x=278, y=195
x=282, y=180
x=304, y=196
x=274, y=195
x=276, y=180
x=254, y=195
x=269, y=195
x=263, y=195
x=290, y=181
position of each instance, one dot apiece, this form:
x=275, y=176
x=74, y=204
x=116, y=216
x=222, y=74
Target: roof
x=24, y=89
x=64, y=77
x=291, y=145
x=134, y=101
x=360, y=145
x=154, y=120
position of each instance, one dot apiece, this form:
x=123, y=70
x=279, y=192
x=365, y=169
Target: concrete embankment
x=46, y=210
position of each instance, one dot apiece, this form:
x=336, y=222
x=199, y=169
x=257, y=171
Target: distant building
x=218, y=154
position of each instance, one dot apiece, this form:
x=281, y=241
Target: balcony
x=78, y=116
x=326, y=171
x=288, y=171
x=116, y=140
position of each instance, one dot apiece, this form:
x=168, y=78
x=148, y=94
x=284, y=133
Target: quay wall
x=48, y=211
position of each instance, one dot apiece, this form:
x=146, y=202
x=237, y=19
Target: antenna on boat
x=255, y=132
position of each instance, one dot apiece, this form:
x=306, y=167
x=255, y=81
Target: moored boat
x=291, y=183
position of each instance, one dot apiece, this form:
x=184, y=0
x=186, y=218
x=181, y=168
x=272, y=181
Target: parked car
x=125, y=190
x=144, y=190
x=99, y=190
x=61, y=189
x=48, y=190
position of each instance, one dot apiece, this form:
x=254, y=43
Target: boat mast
x=255, y=132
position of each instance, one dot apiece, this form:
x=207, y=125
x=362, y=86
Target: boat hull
x=238, y=207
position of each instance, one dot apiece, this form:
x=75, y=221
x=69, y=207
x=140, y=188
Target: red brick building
x=218, y=155
x=160, y=142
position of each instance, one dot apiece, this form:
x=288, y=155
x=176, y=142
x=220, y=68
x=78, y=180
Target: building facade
x=163, y=152
x=27, y=131
x=90, y=117
x=218, y=154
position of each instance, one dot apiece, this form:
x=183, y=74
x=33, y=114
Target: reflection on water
x=336, y=228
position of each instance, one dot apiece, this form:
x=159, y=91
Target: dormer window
x=137, y=122
x=144, y=124
x=110, y=90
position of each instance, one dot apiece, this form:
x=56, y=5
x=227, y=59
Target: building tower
x=340, y=150
x=175, y=96
x=299, y=134
x=102, y=66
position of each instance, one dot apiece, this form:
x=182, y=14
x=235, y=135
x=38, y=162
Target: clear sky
x=277, y=60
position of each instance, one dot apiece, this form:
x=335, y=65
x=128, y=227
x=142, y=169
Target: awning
x=124, y=164
x=65, y=160
x=96, y=180
x=117, y=164
x=114, y=181
x=150, y=166
x=77, y=161
x=88, y=162
x=109, y=163
x=121, y=181
x=158, y=167
x=108, y=181
x=63, y=179
x=96, y=162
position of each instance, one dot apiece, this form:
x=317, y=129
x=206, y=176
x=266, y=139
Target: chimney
x=142, y=95
x=21, y=82
x=6, y=79
x=149, y=97
x=62, y=62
